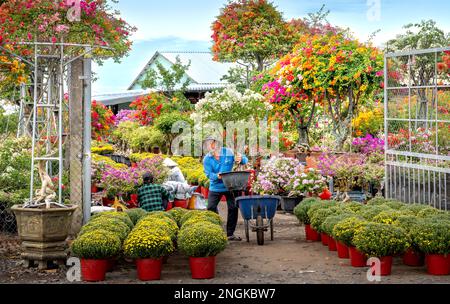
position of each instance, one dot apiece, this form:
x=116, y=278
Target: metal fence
x=8, y=224
x=417, y=127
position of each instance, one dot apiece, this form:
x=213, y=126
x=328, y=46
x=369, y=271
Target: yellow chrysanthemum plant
x=345, y=230
x=148, y=244
x=114, y=214
x=381, y=240
x=201, y=216
x=97, y=245
x=204, y=239
x=110, y=224
x=177, y=213
x=164, y=224
x=432, y=236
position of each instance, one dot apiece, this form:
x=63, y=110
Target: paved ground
x=289, y=259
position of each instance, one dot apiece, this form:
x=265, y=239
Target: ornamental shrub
x=416, y=208
x=352, y=207
x=381, y=240
x=97, y=245
x=157, y=214
x=331, y=221
x=428, y=212
x=150, y=223
x=319, y=217
x=389, y=217
x=301, y=210
x=320, y=205
x=408, y=223
x=202, y=240
x=369, y=212
x=136, y=214
x=344, y=230
x=109, y=224
x=207, y=215
x=177, y=213
x=394, y=204
x=114, y=214
x=376, y=201
x=432, y=237
x=148, y=244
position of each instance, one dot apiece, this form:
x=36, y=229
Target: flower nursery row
x=148, y=239
x=383, y=229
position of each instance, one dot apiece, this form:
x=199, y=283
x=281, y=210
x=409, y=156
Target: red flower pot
x=385, y=267
x=342, y=250
x=107, y=202
x=149, y=269
x=412, y=258
x=93, y=270
x=94, y=189
x=332, y=244
x=203, y=268
x=181, y=203
x=313, y=234
x=357, y=258
x=438, y=264
x=324, y=238
x=169, y=206
x=205, y=192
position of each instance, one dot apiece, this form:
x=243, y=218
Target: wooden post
x=76, y=143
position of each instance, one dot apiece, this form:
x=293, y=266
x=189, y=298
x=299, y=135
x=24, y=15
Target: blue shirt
x=213, y=167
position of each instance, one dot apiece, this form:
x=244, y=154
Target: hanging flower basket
x=94, y=270
x=203, y=268
x=149, y=269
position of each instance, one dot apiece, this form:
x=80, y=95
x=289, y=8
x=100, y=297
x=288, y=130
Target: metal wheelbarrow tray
x=258, y=213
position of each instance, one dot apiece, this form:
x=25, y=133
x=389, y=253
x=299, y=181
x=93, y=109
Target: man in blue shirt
x=221, y=160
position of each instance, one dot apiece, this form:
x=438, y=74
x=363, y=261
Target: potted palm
x=202, y=242
x=344, y=232
x=148, y=247
x=95, y=248
x=382, y=241
x=433, y=238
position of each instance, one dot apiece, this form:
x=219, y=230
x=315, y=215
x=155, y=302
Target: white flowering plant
x=275, y=175
x=306, y=182
x=231, y=105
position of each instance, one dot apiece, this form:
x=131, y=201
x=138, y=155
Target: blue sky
x=183, y=25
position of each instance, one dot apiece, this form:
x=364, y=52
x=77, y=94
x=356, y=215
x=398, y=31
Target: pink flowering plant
x=117, y=183
x=307, y=182
x=369, y=145
x=275, y=175
x=125, y=115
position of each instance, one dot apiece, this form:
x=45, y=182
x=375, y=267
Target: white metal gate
x=417, y=127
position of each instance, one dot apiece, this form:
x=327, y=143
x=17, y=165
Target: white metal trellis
x=417, y=128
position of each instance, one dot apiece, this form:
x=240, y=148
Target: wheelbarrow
x=258, y=213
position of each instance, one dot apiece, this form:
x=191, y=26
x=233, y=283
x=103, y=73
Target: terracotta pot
x=437, y=264
x=357, y=258
x=332, y=246
x=324, y=238
x=93, y=270
x=203, y=268
x=149, y=269
x=414, y=259
x=342, y=249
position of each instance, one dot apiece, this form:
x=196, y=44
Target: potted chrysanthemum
x=202, y=242
x=382, y=241
x=95, y=248
x=344, y=232
x=301, y=212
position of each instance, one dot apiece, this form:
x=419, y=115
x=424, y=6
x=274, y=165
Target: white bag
x=200, y=202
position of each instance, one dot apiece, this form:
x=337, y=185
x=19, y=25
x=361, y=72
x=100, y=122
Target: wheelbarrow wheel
x=247, y=233
x=260, y=230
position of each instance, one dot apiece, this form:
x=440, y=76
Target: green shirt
x=151, y=196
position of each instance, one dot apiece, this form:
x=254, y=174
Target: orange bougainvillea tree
x=333, y=72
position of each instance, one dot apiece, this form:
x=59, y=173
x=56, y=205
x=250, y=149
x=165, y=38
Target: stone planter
x=43, y=233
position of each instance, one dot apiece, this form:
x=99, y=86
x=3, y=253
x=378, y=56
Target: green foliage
x=148, y=243
x=97, y=244
x=319, y=217
x=15, y=162
x=427, y=212
x=416, y=208
x=352, y=207
x=200, y=214
x=380, y=240
x=109, y=224
x=158, y=214
x=344, y=230
x=301, y=210
x=144, y=139
x=320, y=205
x=202, y=240
x=8, y=123
x=136, y=214
x=332, y=220
x=101, y=148
x=394, y=205
x=118, y=215
x=432, y=237
x=166, y=122
x=178, y=213
x=158, y=223
x=390, y=217
x=369, y=212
